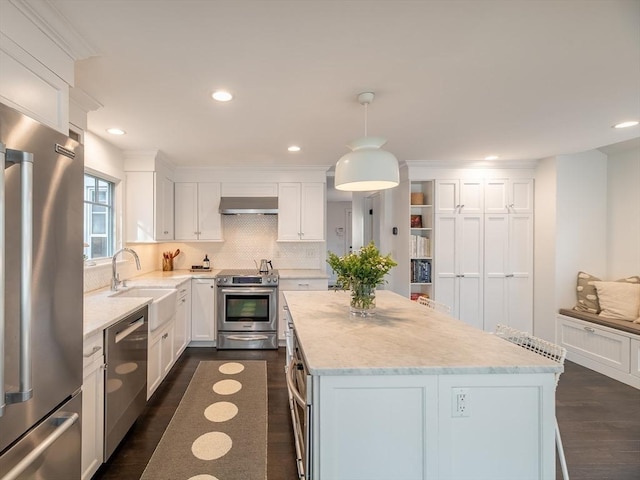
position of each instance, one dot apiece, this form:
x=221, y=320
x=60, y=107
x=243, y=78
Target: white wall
x=545, y=248
x=581, y=220
x=623, y=221
x=336, y=242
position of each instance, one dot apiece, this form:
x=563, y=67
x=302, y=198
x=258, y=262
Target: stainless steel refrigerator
x=41, y=275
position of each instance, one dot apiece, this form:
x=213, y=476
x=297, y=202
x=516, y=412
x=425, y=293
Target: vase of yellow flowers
x=361, y=272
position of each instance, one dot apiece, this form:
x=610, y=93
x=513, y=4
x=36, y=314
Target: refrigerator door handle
x=25, y=159
x=2, y=268
x=63, y=424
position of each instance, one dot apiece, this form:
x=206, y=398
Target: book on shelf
x=420, y=271
x=420, y=246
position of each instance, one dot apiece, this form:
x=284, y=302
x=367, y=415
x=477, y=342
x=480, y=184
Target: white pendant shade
x=367, y=167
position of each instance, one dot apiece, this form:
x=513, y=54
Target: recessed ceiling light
x=222, y=96
x=631, y=123
x=294, y=148
x=116, y=131
x=492, y=157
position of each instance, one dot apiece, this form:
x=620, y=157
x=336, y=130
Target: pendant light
x=366, y=167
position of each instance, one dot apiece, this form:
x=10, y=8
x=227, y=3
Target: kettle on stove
x=265, y=266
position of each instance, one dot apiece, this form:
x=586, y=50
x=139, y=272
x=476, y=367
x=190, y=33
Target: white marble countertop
x=102, y=309
x=402, y=338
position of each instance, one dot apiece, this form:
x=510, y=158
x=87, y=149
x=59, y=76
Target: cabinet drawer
x=304, y=284
x=92, y=350
x=595, y=342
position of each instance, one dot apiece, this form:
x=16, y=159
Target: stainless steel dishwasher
x=126, y=379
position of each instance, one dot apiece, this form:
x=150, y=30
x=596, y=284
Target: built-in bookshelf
x=421, y=238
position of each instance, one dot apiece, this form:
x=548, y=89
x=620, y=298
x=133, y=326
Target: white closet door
x=470, y=261
x=471, y=196
x=520, y=296
x=445, y=262
x=496, y=267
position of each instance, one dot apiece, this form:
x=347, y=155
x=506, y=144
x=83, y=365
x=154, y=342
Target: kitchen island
x=416, y=394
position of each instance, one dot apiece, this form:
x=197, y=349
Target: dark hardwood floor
x=130, y=459
x=599, y=421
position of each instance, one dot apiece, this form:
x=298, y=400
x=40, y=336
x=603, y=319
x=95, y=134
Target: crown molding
x=83, y=100
x=57, y=27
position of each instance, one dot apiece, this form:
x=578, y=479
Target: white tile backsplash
x=246, y=238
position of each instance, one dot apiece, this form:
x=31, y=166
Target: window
x=99, y=231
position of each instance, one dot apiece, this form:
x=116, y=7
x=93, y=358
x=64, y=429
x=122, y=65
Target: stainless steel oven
x=247, y=309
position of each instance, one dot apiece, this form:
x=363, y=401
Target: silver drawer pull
x=93, y=352
x=590, y=329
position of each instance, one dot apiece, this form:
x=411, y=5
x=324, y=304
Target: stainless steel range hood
x=249, y=205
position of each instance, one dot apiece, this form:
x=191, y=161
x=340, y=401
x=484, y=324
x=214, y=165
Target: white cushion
x=618, y=300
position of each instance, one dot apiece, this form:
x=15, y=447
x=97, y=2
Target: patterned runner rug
x=219, y=430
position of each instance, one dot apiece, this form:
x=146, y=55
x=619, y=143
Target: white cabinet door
x=508, y=195
x=209, y=218
x=139, y=203
x=203, y=296
x=164, y=207
x=186, y=207
x=301, y=208
x=182, y=333
x=459, y=265
x=312, y=207
x=197, y=211
x=92, y=405
x=148, y=207
x=469, y=254
x=154, y=364
x=508, y=294
x=289, y=209
x=459, y=196
x=166, y=349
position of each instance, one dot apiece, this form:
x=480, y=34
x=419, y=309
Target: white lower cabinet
x=380, y=427
x=160, y=355
x=183, y=319
x=293, y=284
x=612, y=352
x=92, y=405
x=203, y=298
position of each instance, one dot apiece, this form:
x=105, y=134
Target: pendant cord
x=365, y=118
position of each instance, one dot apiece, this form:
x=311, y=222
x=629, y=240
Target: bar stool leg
x=563, y=461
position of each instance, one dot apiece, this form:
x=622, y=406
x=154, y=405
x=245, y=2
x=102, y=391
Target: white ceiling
x=454, y=80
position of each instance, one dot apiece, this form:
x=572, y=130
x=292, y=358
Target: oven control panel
x=247, y=280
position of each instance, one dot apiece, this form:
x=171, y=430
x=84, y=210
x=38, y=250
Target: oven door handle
x=247, y=338
x=247, y=290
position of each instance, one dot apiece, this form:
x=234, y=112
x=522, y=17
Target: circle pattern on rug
x=211, y=446
x=227, y=387
x=203, y=476
x=220, y=411
x=231, y=368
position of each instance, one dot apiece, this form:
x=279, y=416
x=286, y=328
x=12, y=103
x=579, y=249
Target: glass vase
x=363, y=300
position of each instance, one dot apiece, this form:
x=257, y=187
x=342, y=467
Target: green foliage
x=365, y=267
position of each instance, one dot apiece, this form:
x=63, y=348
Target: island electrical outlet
x=460, y=402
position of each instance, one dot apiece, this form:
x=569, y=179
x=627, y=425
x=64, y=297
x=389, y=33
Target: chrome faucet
x=115, y=277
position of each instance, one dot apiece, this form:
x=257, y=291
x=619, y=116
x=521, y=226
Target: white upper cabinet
x=149, y=207
x=197, y=211
x=301, y=208
x=503, y=195
x=459, y=196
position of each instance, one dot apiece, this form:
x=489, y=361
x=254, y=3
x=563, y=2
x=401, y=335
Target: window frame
x=110, y=206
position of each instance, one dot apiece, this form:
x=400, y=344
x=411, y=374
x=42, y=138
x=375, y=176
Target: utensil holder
x=167, y=264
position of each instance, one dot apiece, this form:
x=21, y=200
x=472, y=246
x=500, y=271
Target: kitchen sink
x=161, y=309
